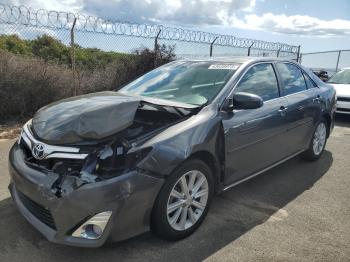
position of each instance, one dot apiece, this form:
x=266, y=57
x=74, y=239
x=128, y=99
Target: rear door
x=303, y=104
x=254, y=138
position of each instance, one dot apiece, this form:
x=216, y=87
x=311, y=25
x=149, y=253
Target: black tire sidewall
x=159, y=221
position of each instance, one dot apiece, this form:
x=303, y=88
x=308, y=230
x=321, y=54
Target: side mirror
x=241, y=100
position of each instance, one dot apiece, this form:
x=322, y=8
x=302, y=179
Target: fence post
x=278, y=52
x=156, y=47
x=211, y=46
x=75, y=91
x=250, y=48
x=298, y=55
x=336, y=67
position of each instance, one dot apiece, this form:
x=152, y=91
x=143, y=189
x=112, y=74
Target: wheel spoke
x=172, y=207
x=183, y=218
x=198, y=205
x=320, y=145
x=184, y=186
x=198, y=184
x=176, y=216
x=193, y=176
x=201, y=193
x=191, y=215
x=176, y=194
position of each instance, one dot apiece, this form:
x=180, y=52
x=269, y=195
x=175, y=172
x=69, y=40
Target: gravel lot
x=296, y=212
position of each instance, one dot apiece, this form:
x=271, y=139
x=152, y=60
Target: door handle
x=282, y=110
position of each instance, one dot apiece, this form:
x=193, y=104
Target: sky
x=316, y=25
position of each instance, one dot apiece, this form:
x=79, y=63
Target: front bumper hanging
x=129, y=198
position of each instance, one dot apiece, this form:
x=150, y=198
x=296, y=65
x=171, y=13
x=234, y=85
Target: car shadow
x=232, y=214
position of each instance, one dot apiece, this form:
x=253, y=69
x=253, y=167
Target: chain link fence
x=125, y=37
x=328, y=61
x=59, y=54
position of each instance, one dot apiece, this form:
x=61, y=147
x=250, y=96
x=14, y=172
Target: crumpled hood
x=342, y=89
x=91, y=116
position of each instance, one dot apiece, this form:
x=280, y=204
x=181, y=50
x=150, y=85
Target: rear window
x=292, y=78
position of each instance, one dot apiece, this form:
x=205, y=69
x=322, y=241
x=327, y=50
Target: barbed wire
x=42, y=18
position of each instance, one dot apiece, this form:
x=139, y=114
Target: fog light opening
x=94, y=227
x=92, y=231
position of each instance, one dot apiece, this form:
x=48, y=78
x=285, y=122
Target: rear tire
x=184, y=200
x=317, y=143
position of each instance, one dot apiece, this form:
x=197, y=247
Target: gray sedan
x=112, y=165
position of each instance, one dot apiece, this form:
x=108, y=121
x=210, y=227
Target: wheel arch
x=212, y=162
x=328, y=119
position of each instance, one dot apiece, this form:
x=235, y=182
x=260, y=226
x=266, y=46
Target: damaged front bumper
x=129, y=196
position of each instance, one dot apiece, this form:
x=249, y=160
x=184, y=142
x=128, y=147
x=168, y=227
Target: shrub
x=28, y=83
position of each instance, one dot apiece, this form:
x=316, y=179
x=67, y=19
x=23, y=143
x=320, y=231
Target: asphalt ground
x=299, y=211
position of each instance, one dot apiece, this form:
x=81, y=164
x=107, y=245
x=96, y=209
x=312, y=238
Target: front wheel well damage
x=212, y=162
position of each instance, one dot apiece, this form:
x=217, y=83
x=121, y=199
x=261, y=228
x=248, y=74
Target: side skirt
x=261, y=171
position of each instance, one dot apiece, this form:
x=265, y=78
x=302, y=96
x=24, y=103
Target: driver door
x=255, y=138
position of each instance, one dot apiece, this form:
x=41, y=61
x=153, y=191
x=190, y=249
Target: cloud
x=196, y=13
x=59, y=5
x=295, y=24
x=184, y=12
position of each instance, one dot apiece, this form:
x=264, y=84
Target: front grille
x=344, y=99
x=40, y=212
x=72, y=164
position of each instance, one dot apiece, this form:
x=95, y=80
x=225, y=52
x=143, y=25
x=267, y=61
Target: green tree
x=15, y=45
x=50, y=49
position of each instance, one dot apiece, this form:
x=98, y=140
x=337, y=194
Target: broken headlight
x=109, y=161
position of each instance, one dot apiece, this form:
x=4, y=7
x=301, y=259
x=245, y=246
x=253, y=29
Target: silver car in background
x=341, y=82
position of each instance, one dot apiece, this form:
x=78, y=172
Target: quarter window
x=292, y=78
x=260, y=80
x=309, y=82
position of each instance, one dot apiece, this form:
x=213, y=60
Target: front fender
x=179, y=142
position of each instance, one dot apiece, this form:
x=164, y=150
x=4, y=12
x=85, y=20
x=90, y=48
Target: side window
x=292, y=78
x=259, y=80
x=309, y=82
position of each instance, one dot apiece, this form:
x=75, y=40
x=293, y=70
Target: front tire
x=317, y=143
x=184, y=200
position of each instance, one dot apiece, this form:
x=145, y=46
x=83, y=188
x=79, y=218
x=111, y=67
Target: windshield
x=193, y=83
x=342, y=77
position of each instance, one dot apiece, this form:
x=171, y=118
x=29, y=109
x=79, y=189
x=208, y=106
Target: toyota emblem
x=38, y=151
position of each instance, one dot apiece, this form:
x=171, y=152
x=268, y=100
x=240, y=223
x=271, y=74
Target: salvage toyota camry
x=112, y=165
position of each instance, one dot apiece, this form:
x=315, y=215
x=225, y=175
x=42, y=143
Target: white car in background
x=341, y=82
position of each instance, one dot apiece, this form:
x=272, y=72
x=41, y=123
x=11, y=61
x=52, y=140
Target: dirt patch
x=10, y=130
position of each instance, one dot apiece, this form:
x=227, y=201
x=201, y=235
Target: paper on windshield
x=224, y=66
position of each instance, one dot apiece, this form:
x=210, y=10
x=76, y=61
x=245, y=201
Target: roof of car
x=239, y=59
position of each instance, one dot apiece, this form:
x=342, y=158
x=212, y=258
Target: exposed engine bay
x=106, y=157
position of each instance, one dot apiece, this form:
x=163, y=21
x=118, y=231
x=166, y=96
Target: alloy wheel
x=319, y=139
x=188, y=200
